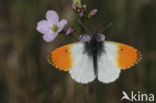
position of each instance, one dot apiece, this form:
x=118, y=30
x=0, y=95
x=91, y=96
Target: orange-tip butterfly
x=86, y=61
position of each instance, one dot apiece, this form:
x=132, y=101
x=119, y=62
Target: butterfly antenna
x=84, y=27
x=105, y=28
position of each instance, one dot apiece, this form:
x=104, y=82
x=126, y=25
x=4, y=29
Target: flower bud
x=78, y=3
x=92, y=12
x=81, y=14
x=74, y=6
x=84, y=7
x=69, y=31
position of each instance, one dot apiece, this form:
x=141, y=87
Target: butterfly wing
x=83, y=70
x=72, y=58
x=108, y=71
x=117, y=56
x=127, y=56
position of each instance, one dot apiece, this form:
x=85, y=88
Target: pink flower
x=52, y=26
x=85, y=37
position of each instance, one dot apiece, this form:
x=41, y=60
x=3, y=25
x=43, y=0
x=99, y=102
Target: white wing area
x=108, y=71
x=82, y=70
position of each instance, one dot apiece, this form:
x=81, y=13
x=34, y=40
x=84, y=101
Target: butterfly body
x=94, y=48
x=92, y=59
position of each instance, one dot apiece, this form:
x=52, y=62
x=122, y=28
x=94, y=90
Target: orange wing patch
x=127, y=56
x=61, y=58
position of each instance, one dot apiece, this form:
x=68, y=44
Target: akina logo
x=137, y=96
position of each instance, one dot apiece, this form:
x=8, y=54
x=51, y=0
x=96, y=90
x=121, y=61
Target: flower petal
x=49, y=38
x=84, y=37
x=43, y=27
x=61, y=24
x=52, y=16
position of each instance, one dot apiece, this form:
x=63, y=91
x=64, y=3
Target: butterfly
x=93, y=59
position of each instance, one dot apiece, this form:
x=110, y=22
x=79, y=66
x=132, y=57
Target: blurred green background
x=26, y=76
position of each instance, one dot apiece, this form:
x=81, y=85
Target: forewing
x=117, y=56
x=72, y=58
x=108, y=71
x=83, y=70
x=61, y=57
